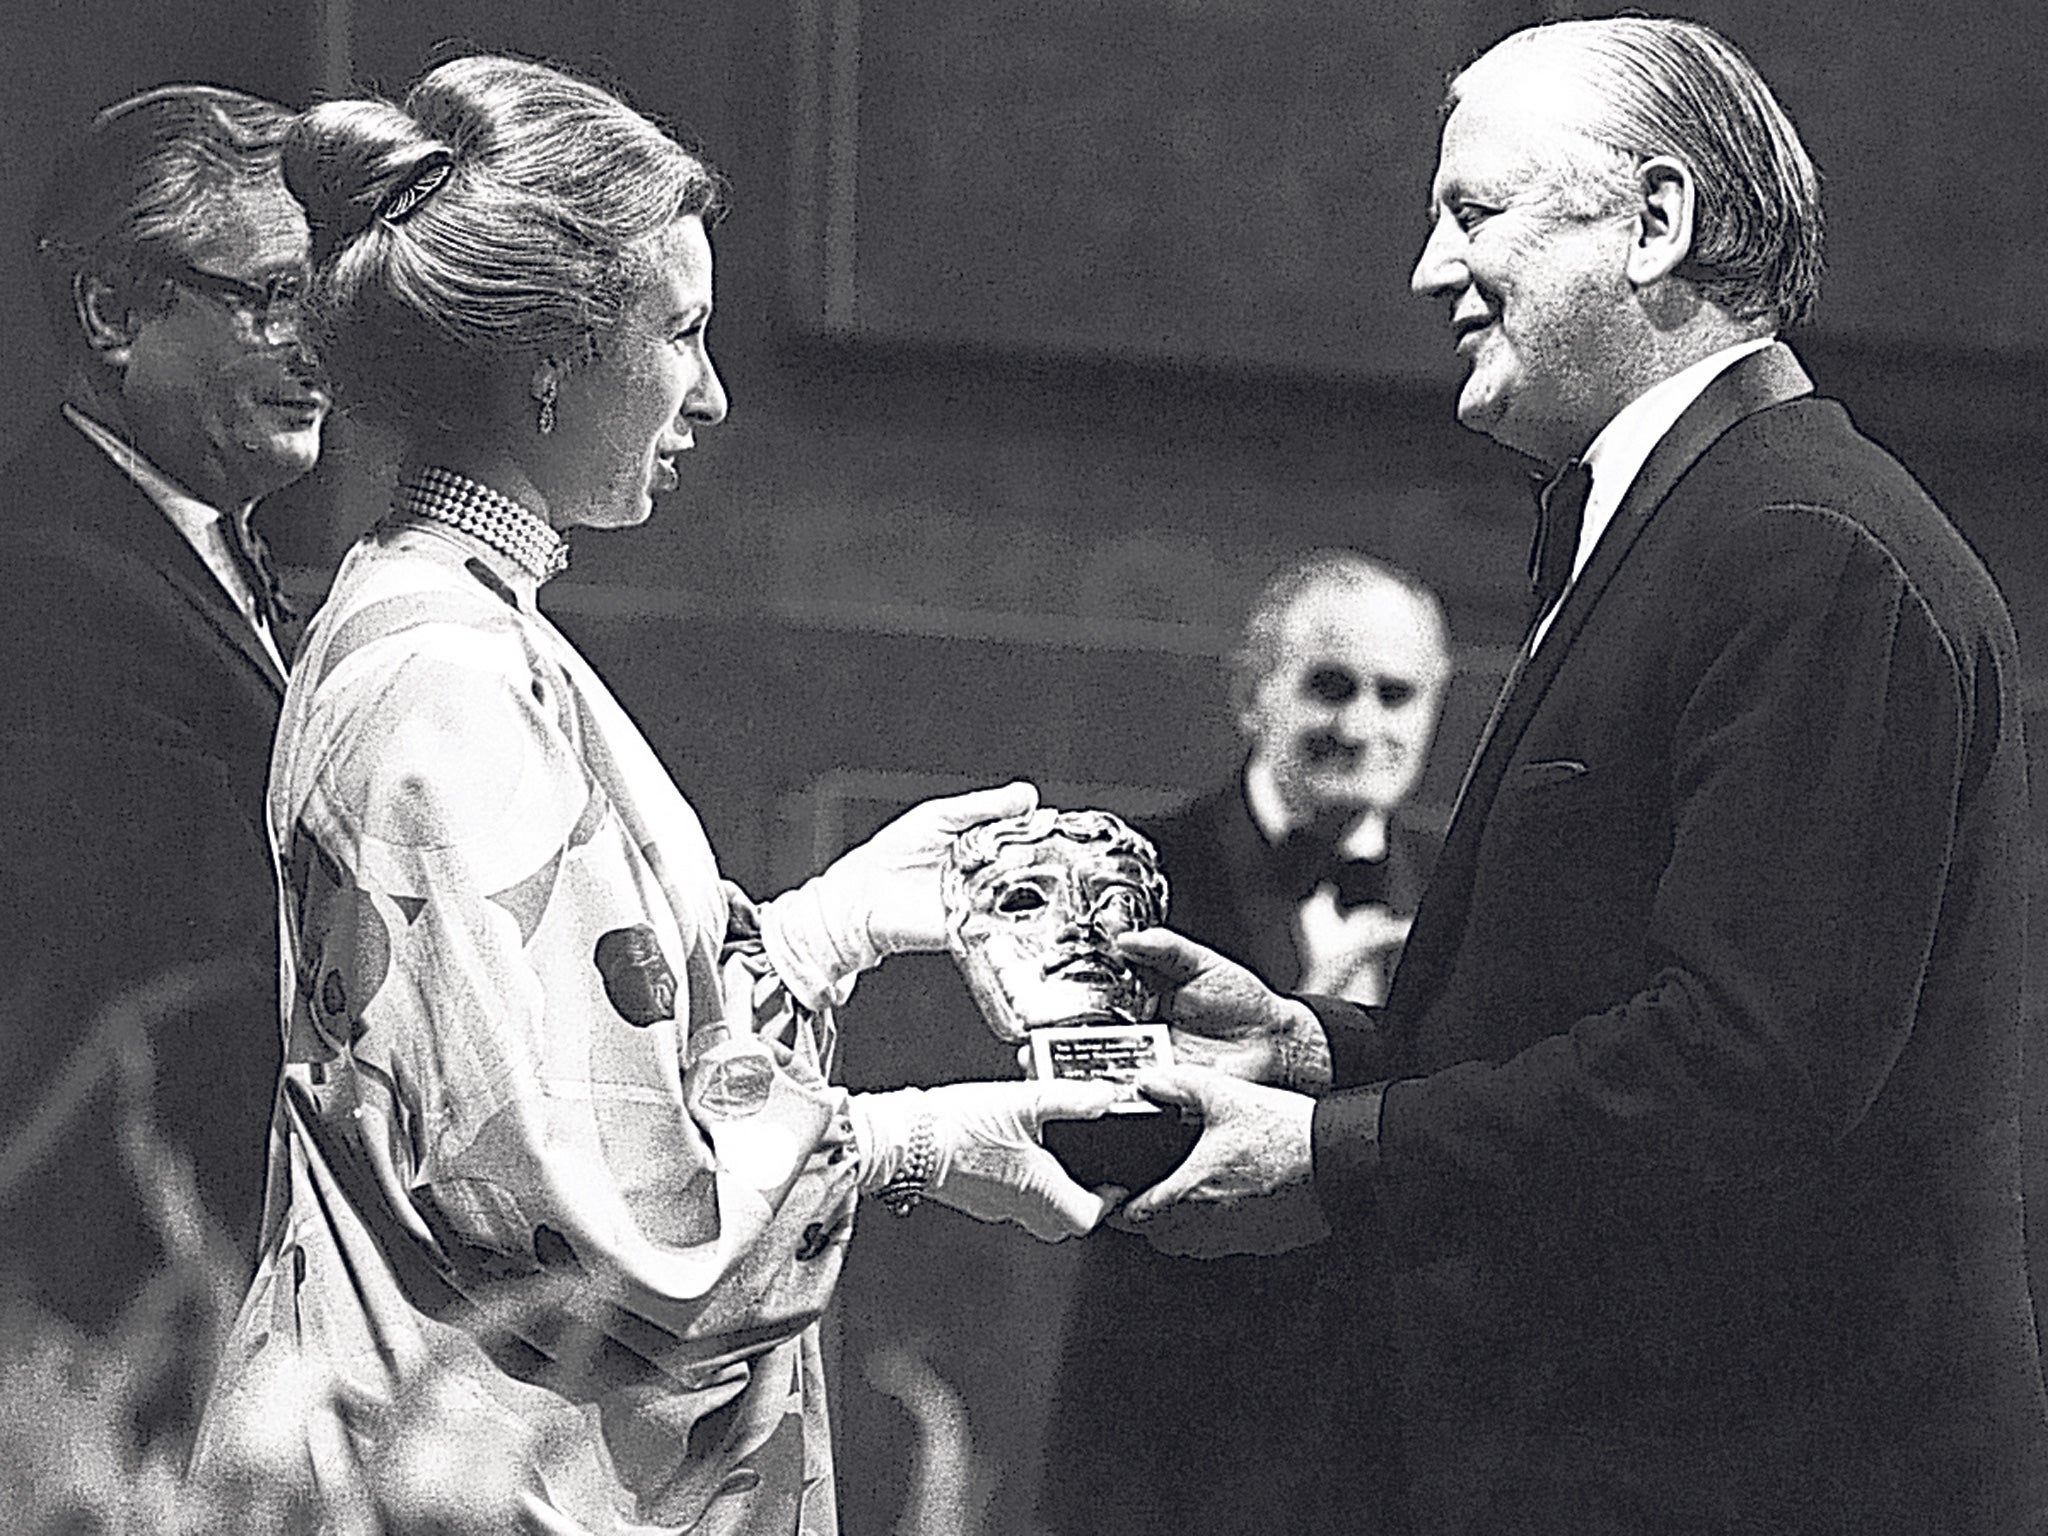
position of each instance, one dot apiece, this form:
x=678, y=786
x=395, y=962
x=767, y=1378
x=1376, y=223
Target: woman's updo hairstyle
x=502, y=212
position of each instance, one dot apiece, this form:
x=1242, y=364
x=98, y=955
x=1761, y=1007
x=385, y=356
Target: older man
x=1198, y=1398
x=144, y=645
x=1691, y=1124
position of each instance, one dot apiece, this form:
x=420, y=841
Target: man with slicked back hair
x=1690, y=1128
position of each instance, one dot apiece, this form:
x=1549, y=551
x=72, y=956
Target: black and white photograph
x=1023, y=768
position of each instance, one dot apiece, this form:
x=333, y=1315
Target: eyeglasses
x=271, y=307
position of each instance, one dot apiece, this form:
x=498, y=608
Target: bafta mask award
x=1034, y=904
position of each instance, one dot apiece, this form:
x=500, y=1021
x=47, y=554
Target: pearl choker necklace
x=520, y=535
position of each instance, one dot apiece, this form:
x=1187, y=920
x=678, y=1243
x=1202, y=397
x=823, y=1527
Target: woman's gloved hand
x=974, y=1146
x=881, y=898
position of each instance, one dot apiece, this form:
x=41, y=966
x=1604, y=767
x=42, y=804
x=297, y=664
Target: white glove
x=881, y=898
x=976, y=1145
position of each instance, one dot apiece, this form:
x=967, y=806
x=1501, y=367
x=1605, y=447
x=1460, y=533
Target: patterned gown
x=558, y=1186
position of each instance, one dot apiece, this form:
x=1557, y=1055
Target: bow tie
x=1560, y=518
x=1305, y=859
x=252, y=558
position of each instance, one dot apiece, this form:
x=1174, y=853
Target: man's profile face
x=1345, y=718
x=1035, y=937
x=217, y=396
x=1536, y=292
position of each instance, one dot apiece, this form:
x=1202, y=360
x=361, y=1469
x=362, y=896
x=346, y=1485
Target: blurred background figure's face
x=217, y=390
x=1036, y=941
x=1344, y=720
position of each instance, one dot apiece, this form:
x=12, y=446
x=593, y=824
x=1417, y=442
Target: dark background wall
x=1049, y=327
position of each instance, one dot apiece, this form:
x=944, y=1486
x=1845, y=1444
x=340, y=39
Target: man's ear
x=104, y=316
x=1664, y=217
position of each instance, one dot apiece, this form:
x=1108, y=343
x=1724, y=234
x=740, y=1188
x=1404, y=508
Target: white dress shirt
x=1341, y=952
x=202, y=524
x=1616, y=456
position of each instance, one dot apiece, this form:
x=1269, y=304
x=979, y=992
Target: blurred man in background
x=1215, y=1397
x=144, y=645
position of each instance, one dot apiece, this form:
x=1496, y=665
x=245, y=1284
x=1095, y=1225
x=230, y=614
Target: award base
x=1133, y=1151
x=1137, y=1143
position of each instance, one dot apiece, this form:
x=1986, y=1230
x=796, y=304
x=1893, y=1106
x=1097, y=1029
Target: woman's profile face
x=622, y=419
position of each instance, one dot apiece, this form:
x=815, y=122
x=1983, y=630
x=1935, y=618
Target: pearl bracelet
x=920, y=1160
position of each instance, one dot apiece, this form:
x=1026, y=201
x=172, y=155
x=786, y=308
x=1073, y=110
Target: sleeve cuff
x=812, y=970
x=1355, y=1040
x=1344, y=1139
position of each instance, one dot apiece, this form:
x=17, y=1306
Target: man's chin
x=277, y=458
x=1481, y=405
x=1510, y=418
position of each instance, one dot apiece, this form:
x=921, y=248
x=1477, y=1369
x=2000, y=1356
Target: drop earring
x=547, y=407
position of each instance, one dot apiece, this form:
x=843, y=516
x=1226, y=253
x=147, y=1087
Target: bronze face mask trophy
x=1033, y=906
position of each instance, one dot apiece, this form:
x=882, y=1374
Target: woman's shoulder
x=401, y=594
x=422, y=704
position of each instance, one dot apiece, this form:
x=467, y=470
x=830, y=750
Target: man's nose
x=1441, y=266
x=1362, y=718
x=283, y=328
x=294, y=341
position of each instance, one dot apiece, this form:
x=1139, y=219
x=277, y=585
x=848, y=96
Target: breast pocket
x=1550, y=819
x=1573, y=834
x=1555, y=770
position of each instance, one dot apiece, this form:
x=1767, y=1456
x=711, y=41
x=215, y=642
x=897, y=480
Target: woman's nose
x=705, y=405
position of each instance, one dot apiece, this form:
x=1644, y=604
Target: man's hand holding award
x=1054, y=921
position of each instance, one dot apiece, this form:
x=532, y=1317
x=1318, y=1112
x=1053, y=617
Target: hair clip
x=407, y=199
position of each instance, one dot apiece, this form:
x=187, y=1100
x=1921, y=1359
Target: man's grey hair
x=145, y=182
x=1662, y=86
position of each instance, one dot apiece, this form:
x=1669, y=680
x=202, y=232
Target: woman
x=559, y=1186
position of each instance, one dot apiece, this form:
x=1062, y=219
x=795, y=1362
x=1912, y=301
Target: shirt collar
x=1367, y=838
x=1617, y=455
x=203, y=525
x=191, y=515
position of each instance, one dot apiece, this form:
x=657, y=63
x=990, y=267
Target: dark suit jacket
x=1701, y=1154
x=1214, y=1398
x=135, y=730
x=1217, y=865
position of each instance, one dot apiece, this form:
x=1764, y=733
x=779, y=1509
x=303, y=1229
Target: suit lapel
x=203, y=591
x=1266, y=922
x=1764, y=379
x=109, y=501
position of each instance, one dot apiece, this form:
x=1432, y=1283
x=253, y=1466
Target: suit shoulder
x=1800, y=477
x=44, y=484
x=72, y=527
